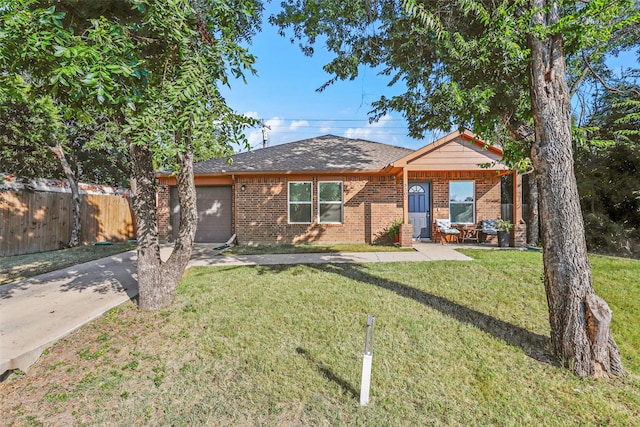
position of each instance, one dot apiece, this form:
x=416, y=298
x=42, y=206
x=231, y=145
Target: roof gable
x=324, y=153
x=456, y=151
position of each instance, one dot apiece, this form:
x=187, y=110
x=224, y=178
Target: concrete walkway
x=36, y=312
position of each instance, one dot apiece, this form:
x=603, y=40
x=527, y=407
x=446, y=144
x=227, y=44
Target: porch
x=458, y=179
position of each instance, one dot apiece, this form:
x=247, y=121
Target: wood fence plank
x=40, y=221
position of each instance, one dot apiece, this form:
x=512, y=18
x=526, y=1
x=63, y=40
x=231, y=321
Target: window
x=330, y=202
x=462, y=206
x=417, y=199
x=300, y=203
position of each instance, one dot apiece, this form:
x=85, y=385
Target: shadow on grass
x=534, y=345
x=328, y=374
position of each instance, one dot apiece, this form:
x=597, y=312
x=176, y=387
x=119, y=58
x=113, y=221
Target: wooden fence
x=38, y=221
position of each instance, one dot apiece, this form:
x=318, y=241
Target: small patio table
x=470, y=233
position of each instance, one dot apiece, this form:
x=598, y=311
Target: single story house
x=342, y=190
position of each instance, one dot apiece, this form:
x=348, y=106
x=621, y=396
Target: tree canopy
x=500, y=69
x=462, y=63
x=151, y=71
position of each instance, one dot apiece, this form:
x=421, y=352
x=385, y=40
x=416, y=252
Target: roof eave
x=285, y=172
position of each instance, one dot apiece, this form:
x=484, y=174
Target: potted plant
x=394, y=230
x=504, y=231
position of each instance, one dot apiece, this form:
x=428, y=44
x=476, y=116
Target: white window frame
x=341, y=202
x=289, y=202
x=472, y=203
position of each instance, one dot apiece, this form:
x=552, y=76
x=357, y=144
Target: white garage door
x=214, y=214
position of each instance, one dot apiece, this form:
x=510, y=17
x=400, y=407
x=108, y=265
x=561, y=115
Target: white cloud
x=255, y=138
x=374, y=131
x=255, y=135
x=296, y=124
x=385, y=130
x=326, y=128
x=278, y=131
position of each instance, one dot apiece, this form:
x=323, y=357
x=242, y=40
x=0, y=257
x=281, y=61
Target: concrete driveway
x=36, y=312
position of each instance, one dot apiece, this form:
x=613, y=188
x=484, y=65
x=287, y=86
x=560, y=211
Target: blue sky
x=284, y=95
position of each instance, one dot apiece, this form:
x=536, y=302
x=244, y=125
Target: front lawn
x=456, y=343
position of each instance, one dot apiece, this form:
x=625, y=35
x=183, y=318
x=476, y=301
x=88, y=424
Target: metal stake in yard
x=366, y=361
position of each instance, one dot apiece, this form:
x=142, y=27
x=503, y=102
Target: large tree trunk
x=584, y=345
x=157, y=281
x=75, y=196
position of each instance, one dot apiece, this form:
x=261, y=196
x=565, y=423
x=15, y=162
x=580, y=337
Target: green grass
x=311, y=248
x=456, y=343
x=23, y=266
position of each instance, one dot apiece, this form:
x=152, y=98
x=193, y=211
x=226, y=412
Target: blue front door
x=420, y=209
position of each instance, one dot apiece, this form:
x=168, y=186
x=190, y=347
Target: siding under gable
x=457, y=154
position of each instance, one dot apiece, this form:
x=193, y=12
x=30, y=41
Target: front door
x=419, y=209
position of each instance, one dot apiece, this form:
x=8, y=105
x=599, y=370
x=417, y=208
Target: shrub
x=607, y=237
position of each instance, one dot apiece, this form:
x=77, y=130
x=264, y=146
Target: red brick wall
x=406, y=235
x=371, y=204
x=487, y=188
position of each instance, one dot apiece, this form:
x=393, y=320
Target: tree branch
x=577, y=83
x=604, y=83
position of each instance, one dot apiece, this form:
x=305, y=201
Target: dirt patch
x=105, y=355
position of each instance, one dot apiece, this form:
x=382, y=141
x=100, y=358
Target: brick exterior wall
x=518, y=236
x=487, y=191
x=406, y=235
x=371, y=204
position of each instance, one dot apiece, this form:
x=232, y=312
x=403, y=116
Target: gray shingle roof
x=323, y=153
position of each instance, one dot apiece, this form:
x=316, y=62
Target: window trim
x=472, y=203
x=332, y=202
x=289, y=202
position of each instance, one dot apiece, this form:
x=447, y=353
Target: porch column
x=406, y=229
x=518, y=234
x=405, y=195
x=517, y=197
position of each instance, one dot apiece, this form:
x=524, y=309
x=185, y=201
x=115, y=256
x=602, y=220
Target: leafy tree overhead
x=152, y=68
x=26, y=131
x=29, y=128
x=95, y=150
x=38, y=142
x=32, y=135
x=491, y=66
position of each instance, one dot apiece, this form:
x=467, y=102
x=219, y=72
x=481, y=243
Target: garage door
x=214, y=214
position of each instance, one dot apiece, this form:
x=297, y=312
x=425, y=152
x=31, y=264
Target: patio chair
x=444, y=228
x=489, y=228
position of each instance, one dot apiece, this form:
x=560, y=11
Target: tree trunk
x=75, y=196
x=157, y=281
x=567, y=272
x=177, y=262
